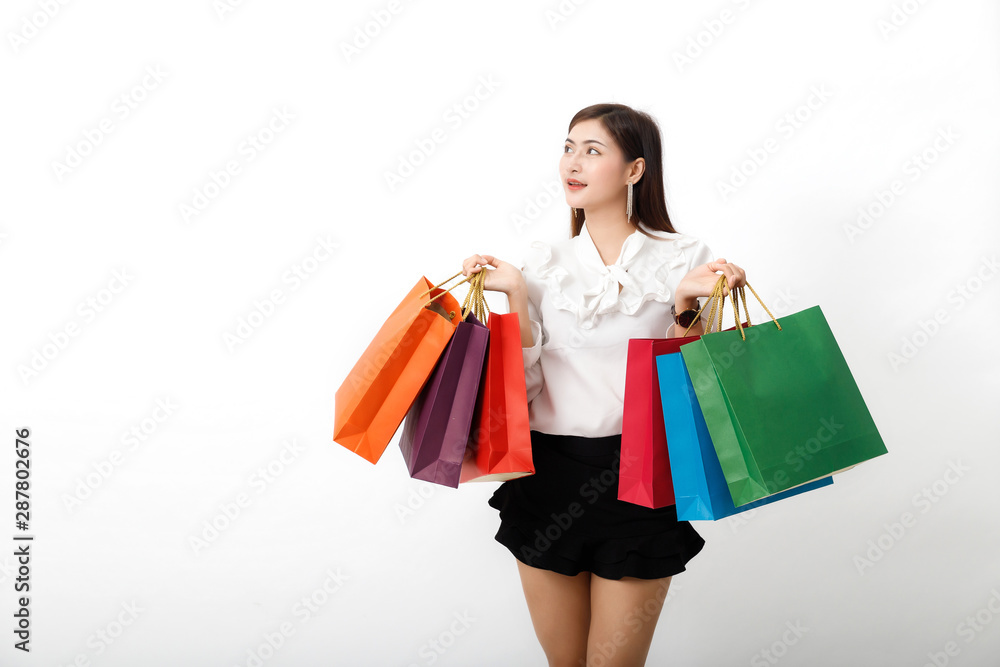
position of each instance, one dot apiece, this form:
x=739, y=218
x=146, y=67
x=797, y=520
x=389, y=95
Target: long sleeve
x=533, y=354
x=581, y=321
x=699, y=254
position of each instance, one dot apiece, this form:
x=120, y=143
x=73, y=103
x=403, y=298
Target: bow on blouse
x=603, y=296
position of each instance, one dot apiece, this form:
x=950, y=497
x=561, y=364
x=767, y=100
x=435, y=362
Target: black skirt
x=567, y=517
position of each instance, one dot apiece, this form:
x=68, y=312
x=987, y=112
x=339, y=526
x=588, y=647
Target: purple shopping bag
x=436, y=428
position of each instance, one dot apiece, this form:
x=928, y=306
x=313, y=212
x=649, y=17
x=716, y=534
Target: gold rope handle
x=475, y=300
x=718, y=306
x=739, y=325
x=765, y=307
x=444, y=291
x=736, y=310
x=484, y=307
x=712, y=311
x=746, y=310
x=717, y=301
x=717, y=293
x=466, y=303
x=444, y=282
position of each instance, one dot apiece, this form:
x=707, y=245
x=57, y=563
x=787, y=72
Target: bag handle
x=718, y=305
x=717, y=292
x=438, y=286
x=475, y=300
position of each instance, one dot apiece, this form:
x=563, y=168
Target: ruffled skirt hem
x=567, y=518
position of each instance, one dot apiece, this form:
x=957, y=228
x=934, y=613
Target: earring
x=574, y=212
x=628, y=203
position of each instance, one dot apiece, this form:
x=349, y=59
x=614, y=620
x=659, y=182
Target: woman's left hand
x=700, y=280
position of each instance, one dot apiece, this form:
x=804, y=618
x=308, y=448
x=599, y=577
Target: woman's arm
x=699, y=282
x=682, y=303
x=517, y=300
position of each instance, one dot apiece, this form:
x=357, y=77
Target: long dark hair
x=638, y=135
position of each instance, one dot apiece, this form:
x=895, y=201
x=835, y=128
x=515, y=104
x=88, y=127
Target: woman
x=595, y=570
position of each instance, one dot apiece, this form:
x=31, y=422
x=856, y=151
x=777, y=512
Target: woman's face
x=591, y=157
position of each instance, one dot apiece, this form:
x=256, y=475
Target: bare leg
x=624, y=614
x=560, y=611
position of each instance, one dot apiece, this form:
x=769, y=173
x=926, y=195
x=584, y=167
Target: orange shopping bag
x=500, y=443
x=376, y=395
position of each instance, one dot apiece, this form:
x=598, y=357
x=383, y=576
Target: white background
x=889, y=286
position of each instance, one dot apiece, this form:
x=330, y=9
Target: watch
x=686, y=318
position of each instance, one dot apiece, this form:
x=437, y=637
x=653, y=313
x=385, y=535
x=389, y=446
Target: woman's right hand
x=504, y=277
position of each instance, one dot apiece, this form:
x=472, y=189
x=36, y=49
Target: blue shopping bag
x=700, y=489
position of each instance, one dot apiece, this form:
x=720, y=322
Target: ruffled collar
x=642, y=268
x=603, y=294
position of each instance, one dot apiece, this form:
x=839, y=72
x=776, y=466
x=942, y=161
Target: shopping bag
x=700, y=490
x=372, y=401
x=436, y=429
x=780, y=404
x=644, y=465
x=644, y=475
x=499, y=446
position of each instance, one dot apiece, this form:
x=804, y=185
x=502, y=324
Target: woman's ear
x=638, y=169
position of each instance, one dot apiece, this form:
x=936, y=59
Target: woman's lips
x=576, y=186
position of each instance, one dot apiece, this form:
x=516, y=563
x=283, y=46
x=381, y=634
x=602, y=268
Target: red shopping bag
x=644, y=476
x=500, y=443
x=644, y=469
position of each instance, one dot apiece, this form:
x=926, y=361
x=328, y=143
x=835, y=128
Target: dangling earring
x=574, y=212
x=628, y=203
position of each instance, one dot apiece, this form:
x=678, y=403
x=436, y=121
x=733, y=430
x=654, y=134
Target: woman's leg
x=624, y=614
x=560, y=611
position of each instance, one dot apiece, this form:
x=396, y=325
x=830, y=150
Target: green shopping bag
x=780, y=403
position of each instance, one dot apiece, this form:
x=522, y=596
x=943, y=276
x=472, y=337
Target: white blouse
x=581, y=323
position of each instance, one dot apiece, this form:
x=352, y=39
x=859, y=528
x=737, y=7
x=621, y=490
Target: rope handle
x=718, y=305
x=438, y=286
x=475, y=300
x=717, y=293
